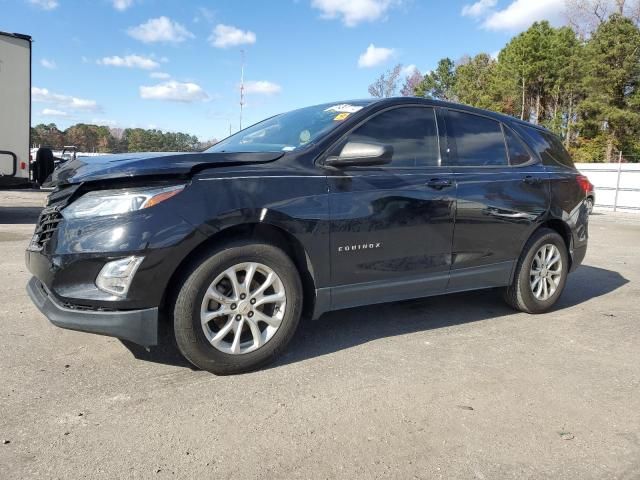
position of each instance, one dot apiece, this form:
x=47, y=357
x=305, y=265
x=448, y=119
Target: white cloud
x=520, y=14
x=130, y=61
x=103, y=121
x=186, y=92
x=122, y=5
x=479, y=8
x=408, y=70
x=262, y=87
x=375, y=56
x=50, y=112
x=224, y=36
x=161, y=29
x=45, y=4
x=204, y=14
x=160, y=75
x=50, y=64
x=353, y=12
x=43, y=95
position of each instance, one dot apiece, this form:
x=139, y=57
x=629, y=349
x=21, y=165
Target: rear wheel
x=238, y=308
x=541, y=273
x=590, y=205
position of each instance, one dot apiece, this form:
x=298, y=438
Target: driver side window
x=411, y=131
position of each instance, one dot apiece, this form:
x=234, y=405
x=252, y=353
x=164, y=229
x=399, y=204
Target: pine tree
x=611, y=107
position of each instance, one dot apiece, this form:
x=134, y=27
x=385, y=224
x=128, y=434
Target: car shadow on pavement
x=19, y=215
x=344, y=329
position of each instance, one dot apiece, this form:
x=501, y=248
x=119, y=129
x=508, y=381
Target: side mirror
x=361, y=154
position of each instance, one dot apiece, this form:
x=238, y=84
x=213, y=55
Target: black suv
x=319, y=209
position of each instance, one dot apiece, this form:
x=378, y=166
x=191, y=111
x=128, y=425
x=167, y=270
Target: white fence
x=617, y=184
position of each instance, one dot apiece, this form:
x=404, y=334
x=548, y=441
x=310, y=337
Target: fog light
x=115, y=277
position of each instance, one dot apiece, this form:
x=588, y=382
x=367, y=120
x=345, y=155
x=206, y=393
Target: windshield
x=289, y=131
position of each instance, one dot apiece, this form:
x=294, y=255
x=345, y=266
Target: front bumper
x=138, y=326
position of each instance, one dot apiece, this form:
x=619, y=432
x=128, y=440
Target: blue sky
x=175, y=65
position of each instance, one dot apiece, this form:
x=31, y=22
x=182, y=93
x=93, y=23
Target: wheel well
x=562, y=229
x=257, y=231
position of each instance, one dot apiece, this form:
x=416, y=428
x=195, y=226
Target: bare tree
x=584, y=16
x=411, y=82
x=387, y=84
x=117, y=133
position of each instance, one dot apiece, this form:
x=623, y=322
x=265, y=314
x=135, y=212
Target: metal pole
x=615, y=200
x=241, y=87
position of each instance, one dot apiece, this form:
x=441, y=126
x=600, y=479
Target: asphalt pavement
x=457, y=386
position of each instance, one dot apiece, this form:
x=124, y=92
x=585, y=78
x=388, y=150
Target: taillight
x=584, y=183
x=23, y=165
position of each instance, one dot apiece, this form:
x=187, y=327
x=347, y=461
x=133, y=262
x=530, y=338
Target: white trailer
x=15, y=108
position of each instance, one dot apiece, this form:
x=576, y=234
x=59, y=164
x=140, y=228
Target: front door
x=392, y=226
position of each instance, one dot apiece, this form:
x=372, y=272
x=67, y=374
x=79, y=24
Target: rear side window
x=475, y=140
x=411, y=131
x=549, y=147
x=518, y=152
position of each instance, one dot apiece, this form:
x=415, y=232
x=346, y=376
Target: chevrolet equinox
x=319, y=209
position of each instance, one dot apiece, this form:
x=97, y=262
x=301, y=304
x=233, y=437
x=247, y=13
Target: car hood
x=87, y=169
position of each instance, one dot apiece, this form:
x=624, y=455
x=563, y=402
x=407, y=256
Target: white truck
x=15, y=109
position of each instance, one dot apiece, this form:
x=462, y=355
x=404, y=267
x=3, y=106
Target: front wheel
x=238, y=308
x=541, y=273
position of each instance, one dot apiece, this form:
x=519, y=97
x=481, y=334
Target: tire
x=521, y=294
x=590, y=205
x=196, y=341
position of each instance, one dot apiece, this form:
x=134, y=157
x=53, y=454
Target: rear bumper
x=138, y=326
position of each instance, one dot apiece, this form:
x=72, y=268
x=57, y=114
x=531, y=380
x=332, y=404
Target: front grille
x=46, y=227
x=50, y=217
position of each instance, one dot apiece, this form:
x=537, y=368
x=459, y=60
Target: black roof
x=16, y=35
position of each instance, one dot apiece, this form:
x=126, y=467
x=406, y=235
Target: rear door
x=392, y=226
x=502, y=192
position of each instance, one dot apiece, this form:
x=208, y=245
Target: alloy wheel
x=243, y=308
x=546, y=272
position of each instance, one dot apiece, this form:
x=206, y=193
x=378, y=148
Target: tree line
x=98, y=138
x=580, y=81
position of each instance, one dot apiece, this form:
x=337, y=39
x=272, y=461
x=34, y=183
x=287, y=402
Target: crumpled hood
x=86, y=169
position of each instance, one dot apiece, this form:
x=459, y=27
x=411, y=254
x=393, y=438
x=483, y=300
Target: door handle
x=438, y=183
x=496, y=212
x=531, y=180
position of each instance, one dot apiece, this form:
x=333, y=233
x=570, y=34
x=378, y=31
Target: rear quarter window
x=518, y=152
x=549, y=147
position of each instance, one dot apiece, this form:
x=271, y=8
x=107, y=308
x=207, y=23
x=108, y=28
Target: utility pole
x=241, y=87
x=615, y=200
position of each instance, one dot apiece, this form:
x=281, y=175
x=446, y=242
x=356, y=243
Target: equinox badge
x=359, y=246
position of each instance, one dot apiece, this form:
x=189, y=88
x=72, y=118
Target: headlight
x=116, y=202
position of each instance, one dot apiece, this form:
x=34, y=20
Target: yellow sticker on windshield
x=341, y=116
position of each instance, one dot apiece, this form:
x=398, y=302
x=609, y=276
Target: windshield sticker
x=340, y=117
x=344, y=108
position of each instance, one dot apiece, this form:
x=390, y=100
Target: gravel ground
x=447, y=387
